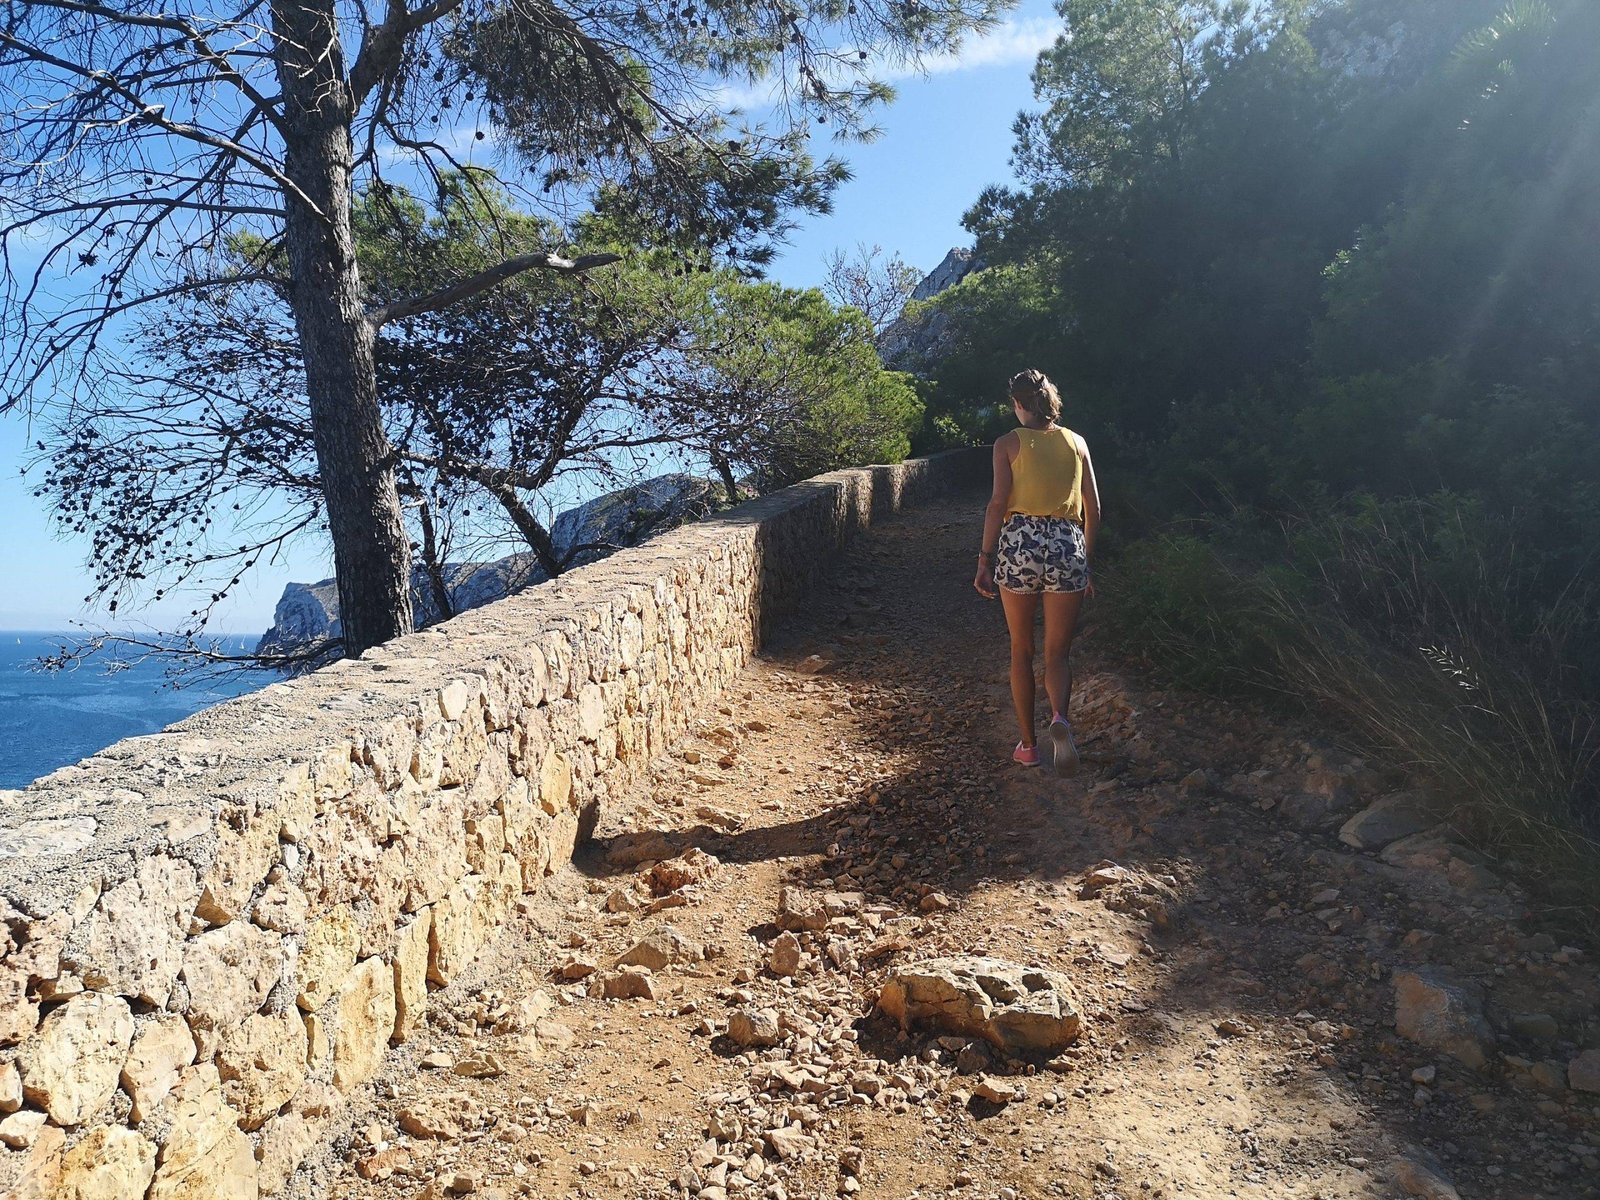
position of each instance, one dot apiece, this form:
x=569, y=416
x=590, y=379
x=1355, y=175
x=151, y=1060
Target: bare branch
x=484, y=280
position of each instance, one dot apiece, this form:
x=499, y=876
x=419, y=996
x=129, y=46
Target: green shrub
x=1416, y=633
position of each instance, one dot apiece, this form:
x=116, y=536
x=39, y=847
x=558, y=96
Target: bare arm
x=994, y=515
x=1091, y=500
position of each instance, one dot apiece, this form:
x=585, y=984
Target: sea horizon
x=49, y=719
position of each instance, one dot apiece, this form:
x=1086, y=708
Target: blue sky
x=944, y=139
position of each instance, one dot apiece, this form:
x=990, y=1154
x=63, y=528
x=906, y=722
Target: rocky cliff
x=308, y=613
x=913, y=341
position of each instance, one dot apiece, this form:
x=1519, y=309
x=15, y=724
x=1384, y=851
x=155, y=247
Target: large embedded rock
x=411, y=975
x=326, y=958
x=1387, y=819
x=162, y=1048
x=1583, y=1072
x=284, y=1144
x=1434, y=1009
x=754, y=1027
x=132, y=943
x=366, y=1022
x=204, y=1155
x=71, y=1070
x=800, y=909
x=33, y=1173
x=229, y=972
x=1020, y=1010
x=262, y=1064
x=110, y=1163
x=660, y=949
x=242, y=860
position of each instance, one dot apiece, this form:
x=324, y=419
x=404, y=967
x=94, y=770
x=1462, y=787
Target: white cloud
x=1011, y=44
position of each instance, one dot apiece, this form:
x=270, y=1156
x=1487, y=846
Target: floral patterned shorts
x=1041, y=554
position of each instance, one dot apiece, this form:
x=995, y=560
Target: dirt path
x=1237, y=975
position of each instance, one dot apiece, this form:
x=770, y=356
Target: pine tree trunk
x=371, y=552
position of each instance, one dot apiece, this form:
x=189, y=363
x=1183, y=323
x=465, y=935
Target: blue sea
x=50, y=719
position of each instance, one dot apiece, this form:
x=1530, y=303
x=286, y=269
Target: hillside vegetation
x=1319, y=282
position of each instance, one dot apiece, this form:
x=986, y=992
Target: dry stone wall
x=209, y=937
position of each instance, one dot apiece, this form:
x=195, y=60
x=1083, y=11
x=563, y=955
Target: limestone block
x=411, y=974
x=70, y=1070
x=262, y=1064
x=558, y=664
x=1387, y=819
x=204, y=1155
x=10, y=1088
x=486, y=840
x=242, y=860
x=334, y=774
x=566, y=728
x=161, y=1049
x=630, y=641
x=326, y=958
x=1583, y=1072
x=38, y=1173
x=18, y=1014
x=533, y=676
x=22, y=1129
x=229, y=972
x=296, y=806
x=457, y=931
x=533, y=856
x=384, y=900
x=282, y=908
x=366, y=1021
x=491, y=779
x=453, y=699
x=529, y=741
x=387, y=750
x=132, y=943
x=285, y=1141
x=464, y=749
x=110, y=1163
x=555, y=783
x=562, y=839
x=1018, y=1009
x=591, y=711
x=319, y=1044
x=605, y=749
x=435, y=850
x=427, y=762
x=517, y=811
x=500, y=696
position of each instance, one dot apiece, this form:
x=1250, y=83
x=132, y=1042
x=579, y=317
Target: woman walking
x=1038, y=535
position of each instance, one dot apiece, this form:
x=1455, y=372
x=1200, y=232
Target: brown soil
x=1236, y=986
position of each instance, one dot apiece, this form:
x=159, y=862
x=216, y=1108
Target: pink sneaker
x=1028, y=756
x=1064, y=751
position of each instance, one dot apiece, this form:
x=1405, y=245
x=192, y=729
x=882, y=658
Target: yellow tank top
x=1047, y=475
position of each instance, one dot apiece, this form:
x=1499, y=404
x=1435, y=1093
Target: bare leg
x=1060, y=623
x=1020, y=609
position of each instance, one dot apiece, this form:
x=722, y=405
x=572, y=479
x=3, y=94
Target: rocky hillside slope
x=915, y=340
x=308, y=613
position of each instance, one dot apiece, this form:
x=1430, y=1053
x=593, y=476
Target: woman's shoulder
x=1007, y=441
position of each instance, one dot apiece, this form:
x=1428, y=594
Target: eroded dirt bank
x=1237, y=966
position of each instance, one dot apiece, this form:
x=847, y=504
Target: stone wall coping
x=85, y=825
